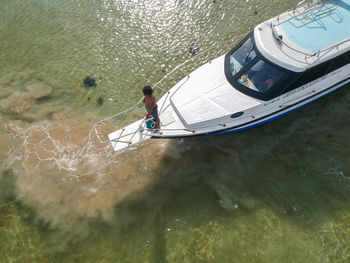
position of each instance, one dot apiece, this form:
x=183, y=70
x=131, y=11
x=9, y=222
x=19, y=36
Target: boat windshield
x=261, y=76
x=242, y=56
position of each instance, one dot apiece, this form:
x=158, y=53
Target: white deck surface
x=207, y=95
x=129, y=136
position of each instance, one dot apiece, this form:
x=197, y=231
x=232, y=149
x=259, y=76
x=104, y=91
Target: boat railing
x=223, y=47
x=310, y=12
x=306, y=5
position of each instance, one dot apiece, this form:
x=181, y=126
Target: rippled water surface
x=276, y=193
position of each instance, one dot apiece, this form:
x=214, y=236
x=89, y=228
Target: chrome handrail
x=310, y=4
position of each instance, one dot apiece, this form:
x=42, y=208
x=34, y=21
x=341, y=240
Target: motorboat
x=285, y=63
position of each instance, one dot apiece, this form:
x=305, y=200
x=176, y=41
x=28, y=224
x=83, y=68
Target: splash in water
x=66, y=176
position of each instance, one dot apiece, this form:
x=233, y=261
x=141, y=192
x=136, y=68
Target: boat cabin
x=291, y=50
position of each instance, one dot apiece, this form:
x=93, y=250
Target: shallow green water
x=275, y=193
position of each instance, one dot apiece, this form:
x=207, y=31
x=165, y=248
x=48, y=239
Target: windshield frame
x=275, y=90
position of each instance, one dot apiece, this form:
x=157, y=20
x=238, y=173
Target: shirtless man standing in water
x=151, y=105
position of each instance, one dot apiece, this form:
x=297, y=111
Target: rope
x=157, y=86
x=94, y=128
x=8, y=203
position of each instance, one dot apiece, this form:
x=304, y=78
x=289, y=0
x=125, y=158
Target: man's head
x=147, y=90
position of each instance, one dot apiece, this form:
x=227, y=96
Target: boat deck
x=320, y=27
x=129, y=135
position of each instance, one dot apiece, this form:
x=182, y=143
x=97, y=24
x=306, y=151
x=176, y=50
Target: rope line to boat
x=110, y=162
x=156, y=85
x=94, y=128
x=96, y=170
x=8, y=203
x=191, y=59
x=115, y=154
x=133, y=107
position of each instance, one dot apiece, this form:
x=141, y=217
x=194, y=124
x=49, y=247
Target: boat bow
x=207, y=96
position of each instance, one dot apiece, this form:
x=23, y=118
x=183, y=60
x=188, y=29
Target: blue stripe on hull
x=278, y=116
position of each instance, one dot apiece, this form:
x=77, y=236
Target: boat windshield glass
x=242, y=56
x=261, y=76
